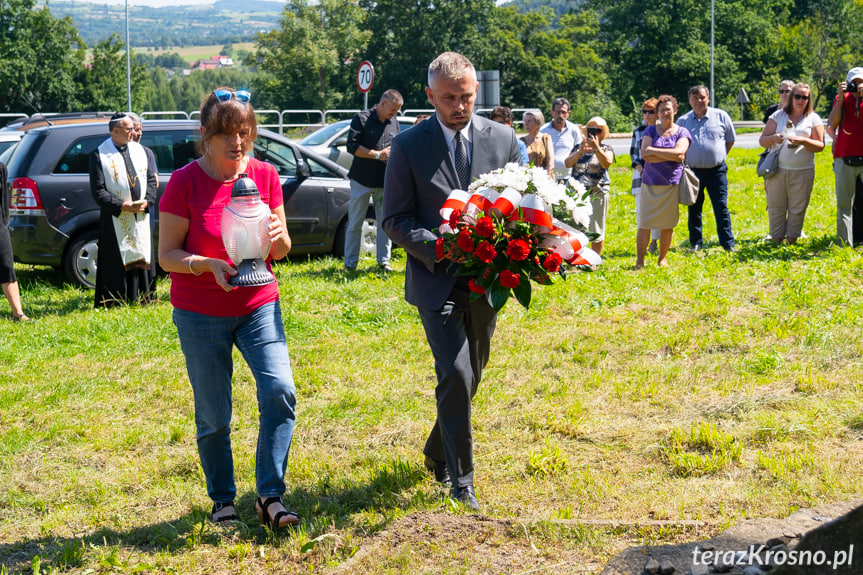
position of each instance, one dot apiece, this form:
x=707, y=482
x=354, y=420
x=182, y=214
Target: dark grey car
x=54, y=219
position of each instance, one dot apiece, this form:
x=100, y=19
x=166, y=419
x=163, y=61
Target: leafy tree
x=309, y=61
x=829, y=38
x=103, y=84
x=39, y=57
x=172, y=61
x=188, y=92
x=157, y=95
x=407, y=34
x=514, y=45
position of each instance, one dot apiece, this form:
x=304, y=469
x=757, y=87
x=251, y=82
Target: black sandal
x=262, y=506
x=228, y=516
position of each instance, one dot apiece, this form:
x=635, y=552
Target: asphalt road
x=621, y=145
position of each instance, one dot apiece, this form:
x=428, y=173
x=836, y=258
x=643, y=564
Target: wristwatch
x=376, y=154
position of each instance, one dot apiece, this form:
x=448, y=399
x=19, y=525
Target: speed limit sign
x=365, y=76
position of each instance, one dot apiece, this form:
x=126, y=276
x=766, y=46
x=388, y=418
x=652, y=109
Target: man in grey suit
x=445, y=152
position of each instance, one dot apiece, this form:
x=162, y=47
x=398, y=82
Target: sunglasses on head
x=644, y=111
x=241, y=96
x=801, y=97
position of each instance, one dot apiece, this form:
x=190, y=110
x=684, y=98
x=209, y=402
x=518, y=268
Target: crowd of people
x=410, y=175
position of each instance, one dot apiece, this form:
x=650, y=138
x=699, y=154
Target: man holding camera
x=846, y=122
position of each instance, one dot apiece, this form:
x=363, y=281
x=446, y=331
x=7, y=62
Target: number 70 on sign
x=365, y=76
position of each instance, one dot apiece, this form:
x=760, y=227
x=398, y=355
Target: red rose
x=485, y=227
x=485, y=252
x=509, y=279
x=552, y=262
x=475, y=288
x=439, y=249
x=518, y=250
x=465, y=242
x=454, y=219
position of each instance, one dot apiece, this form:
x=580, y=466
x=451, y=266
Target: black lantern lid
x=244, y=187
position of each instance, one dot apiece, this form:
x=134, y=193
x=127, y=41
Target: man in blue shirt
x=564, y=135
x=712, y=138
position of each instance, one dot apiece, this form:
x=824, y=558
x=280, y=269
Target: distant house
x=213, y=62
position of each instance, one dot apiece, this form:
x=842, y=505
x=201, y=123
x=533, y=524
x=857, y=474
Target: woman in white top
x=799, y=134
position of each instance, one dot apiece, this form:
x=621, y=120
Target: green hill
x=165, y=27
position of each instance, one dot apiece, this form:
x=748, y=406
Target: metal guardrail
x=323, y=116
x=172, y=114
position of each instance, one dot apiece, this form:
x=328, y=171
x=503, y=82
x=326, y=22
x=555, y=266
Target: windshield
x=323, y=135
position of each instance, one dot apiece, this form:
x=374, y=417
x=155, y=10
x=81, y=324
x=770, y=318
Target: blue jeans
x=358, y=205
x=715, y=181
x=207, y=342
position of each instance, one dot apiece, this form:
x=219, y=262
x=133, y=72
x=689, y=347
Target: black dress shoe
x=441, y=471
x=467, y=496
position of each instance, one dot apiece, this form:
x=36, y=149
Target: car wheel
x=82, y=258
x=369, y=239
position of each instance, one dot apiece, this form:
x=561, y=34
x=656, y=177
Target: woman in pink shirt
x=212, y=316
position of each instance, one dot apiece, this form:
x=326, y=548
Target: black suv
x=54, y=218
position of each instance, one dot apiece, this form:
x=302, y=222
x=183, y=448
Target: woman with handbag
x=663, y=149
x=797, y=133
x=540, y=150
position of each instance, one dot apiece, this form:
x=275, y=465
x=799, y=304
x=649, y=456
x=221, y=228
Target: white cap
x=854, y=73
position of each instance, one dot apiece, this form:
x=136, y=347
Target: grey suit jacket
x=420, y=175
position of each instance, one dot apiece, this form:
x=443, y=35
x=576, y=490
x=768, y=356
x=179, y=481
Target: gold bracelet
x=192, y=257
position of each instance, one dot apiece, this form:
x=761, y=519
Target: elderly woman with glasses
x=648, y=118
x=798, y=133
x=212, y=316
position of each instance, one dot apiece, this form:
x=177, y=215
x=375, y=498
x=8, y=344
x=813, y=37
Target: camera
x=593, y=131
x=851, y=87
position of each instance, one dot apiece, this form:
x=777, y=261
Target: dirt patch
x=445, y=543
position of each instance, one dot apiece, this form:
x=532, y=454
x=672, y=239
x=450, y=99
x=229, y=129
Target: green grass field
x=194, y=53
x=624, y=408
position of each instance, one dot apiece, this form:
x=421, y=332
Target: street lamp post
x=128, y=66
x=712, y=100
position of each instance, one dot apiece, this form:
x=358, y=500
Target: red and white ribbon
x=506, y=202
x=481, y=201
x=533, y=212
x=456, y=200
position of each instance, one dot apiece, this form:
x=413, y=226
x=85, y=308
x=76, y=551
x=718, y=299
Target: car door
x=307, y=199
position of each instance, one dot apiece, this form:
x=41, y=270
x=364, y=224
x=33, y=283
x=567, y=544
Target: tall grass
x=725, y=387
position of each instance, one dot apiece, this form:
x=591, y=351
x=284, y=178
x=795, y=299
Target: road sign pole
x=365, y=79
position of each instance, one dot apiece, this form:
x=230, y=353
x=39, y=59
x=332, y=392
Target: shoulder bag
x=687, y=190
x=768, y=163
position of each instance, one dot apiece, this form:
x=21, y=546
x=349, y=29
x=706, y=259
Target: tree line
x=605, y=56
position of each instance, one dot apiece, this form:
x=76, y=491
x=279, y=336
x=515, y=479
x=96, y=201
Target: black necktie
x=462, y=167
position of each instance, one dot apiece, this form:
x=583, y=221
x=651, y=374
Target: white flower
x=581, y=215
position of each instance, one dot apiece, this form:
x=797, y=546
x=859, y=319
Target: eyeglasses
x=784, y=91
x=241, y=96
x=643, y=111
x=801, y=97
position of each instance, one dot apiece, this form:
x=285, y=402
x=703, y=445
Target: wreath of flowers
x=501, y=232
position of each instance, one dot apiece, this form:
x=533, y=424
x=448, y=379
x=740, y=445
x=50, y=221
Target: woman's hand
x=279, y=237
x=220, y=269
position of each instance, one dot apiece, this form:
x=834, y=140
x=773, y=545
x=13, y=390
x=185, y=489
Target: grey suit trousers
x=459, y=335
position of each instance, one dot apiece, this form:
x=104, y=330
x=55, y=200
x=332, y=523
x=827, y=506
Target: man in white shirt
x=564, y=134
